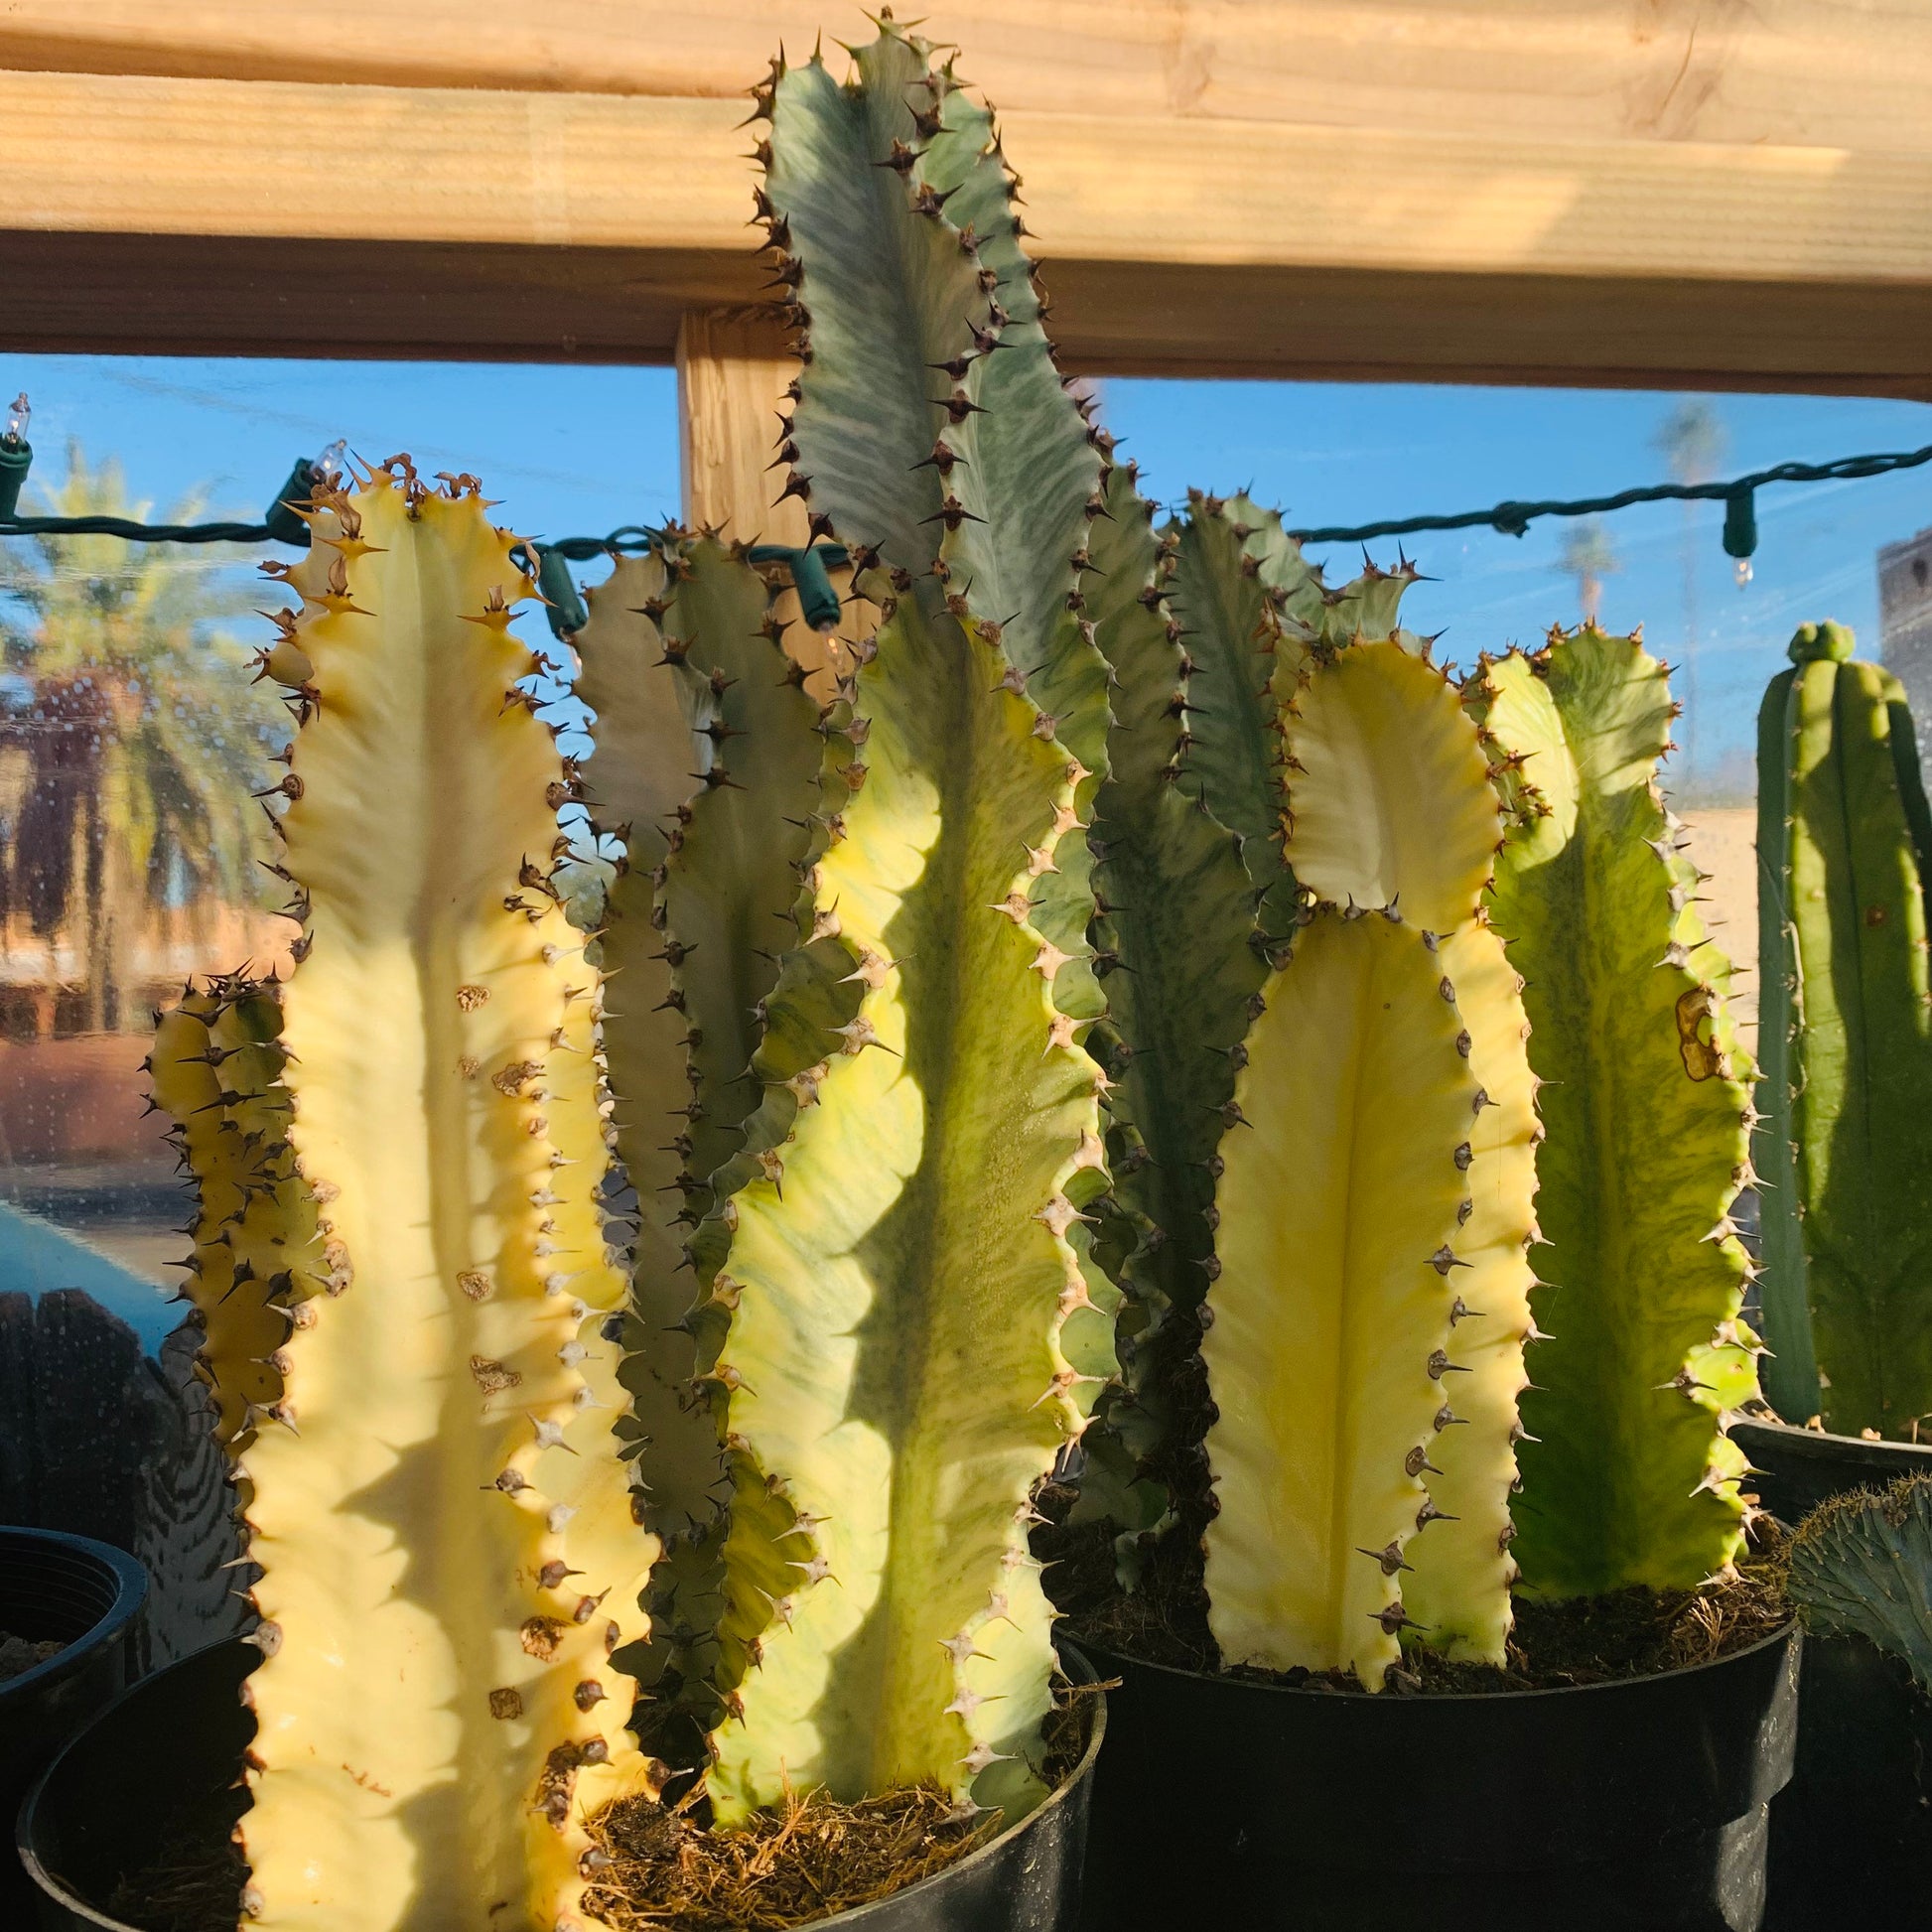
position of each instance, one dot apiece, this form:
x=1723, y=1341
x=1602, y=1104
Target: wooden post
x=732, y=371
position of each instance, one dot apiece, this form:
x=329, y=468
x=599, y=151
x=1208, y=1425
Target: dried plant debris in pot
x=195, y=1879
x=19, y=1655
x=656, y=1867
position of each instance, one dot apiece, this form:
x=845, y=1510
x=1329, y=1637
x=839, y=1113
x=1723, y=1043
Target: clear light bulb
x=1744, y=572
x=329, y=466
x=18, y=418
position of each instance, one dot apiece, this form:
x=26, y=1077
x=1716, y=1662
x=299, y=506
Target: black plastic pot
x=1799, y=1468
x=1852, y=1834
x=89, y=1594
x=97, y=1815
x=1627, y=1807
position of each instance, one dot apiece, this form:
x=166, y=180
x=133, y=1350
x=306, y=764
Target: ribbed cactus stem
x=1861, y=1567
x=1846, y=1043
x=1628, y=1476
x=258, y=1256
x=1173, y=936
x=905, y=1332
x=1344, y=1201
x=443, y=1525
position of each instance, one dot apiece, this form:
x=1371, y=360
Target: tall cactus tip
x=1817, y=643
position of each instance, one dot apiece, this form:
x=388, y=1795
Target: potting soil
x=1636, y=1632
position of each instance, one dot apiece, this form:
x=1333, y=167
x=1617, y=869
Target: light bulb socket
x=562, y=604
x=16, y=459
x=282, y=523
x=1740, y=523
x=818, y=601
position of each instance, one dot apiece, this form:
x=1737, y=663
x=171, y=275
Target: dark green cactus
x=1845, y=1035
x=1861, y=1567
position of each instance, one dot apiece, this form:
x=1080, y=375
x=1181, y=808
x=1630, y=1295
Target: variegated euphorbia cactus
x=1628, y=1476
x=1352, y=1274
x=401, y=1152
x=892, y=1128
x=1319, y=1467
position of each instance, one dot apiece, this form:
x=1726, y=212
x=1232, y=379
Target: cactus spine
x=1346, y=1186
x=899, y=1323
x=1846, y=1043
x=445, y=1536
x=1627, y=1475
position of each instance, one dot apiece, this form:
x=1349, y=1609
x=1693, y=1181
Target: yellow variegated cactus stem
x=216, y=1068
x=443, y=1525
x=1370, y=1303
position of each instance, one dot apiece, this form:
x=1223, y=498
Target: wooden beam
x=1789, y=72
x=301, y=218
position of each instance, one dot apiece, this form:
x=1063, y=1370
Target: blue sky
x=580, y=450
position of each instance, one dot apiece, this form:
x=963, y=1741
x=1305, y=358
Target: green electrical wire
x=810, y=567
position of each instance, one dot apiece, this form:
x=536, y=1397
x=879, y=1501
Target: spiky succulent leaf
x=1847, y=1030
x=907, y=1304
x=725, y=908
x=648, y=761
x=1632, y=1480
x=451, y=1523
x=1861, y=1567
x=646, y=764
x=1340, y=1204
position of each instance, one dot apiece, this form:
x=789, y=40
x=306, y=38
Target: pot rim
x=1083, y=1670
x=1074, y=1665
x=1785, y=1634
x=1862, y=1444
x=130, y=1579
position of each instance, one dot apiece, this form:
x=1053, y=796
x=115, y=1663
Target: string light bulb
x=1744, y=572
x=331, y=462
x=15, y=456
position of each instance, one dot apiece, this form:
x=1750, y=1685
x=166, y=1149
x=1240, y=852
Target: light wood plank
x=733, y=369
x=1830, y=73
x=214, y=157
x=476, y=223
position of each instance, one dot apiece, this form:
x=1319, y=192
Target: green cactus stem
x=1628, y=1476
x=1861, y=1567
x=1846, y=1043
x=1176, y=916
x=439, y=1513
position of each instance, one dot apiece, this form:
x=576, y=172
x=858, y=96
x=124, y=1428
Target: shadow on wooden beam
x=106, y=293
